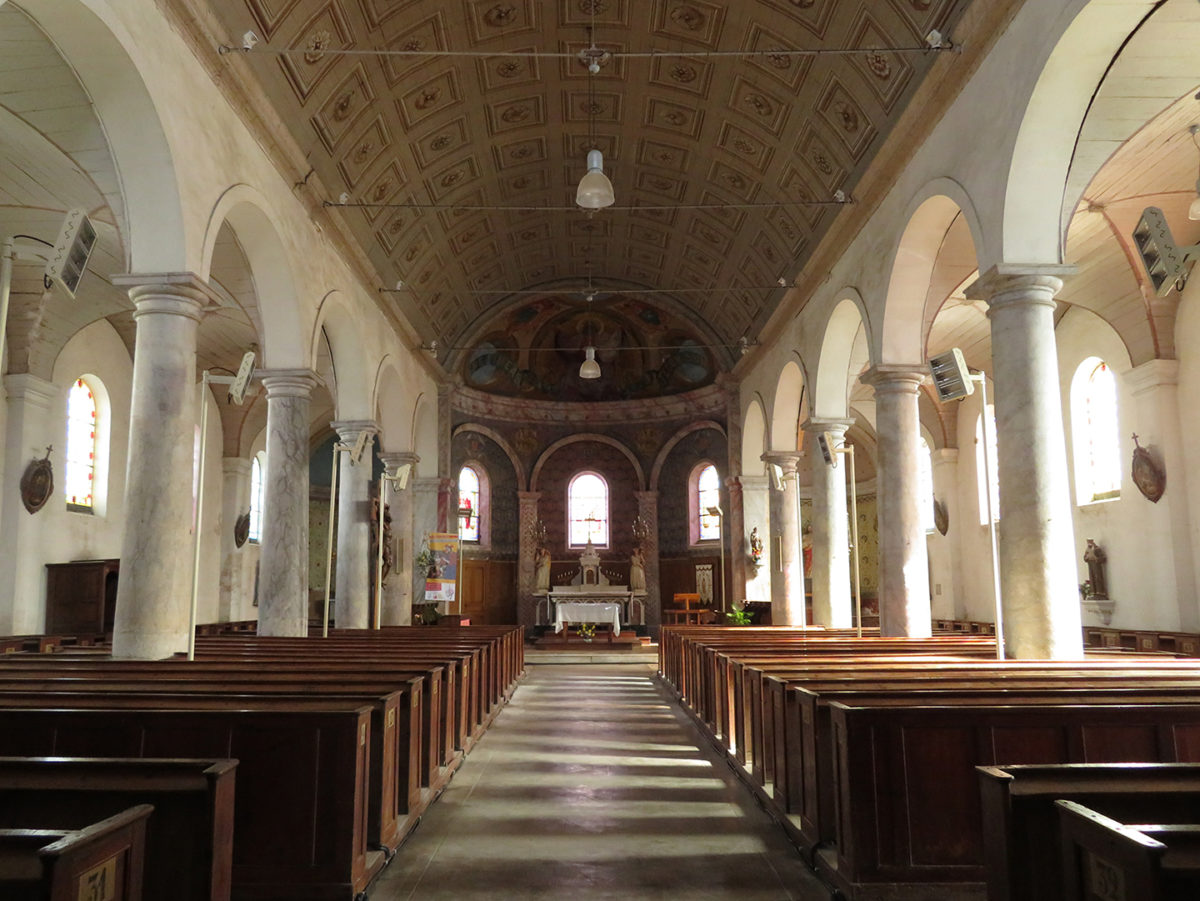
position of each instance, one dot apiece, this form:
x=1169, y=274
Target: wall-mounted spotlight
x=249, y=39
x=1165, y=261
x=69, y=258
x=951, y=378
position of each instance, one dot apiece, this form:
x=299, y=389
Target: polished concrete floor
x=593, y=786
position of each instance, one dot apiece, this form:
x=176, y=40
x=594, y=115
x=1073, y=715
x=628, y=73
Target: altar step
x=626, y=641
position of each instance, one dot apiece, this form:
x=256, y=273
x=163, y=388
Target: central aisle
x=592, y=785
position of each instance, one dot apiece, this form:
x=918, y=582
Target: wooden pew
x=1020, y=824
x=103, y=860
x=300, y=819
x=1104, y=859
x=189, y=838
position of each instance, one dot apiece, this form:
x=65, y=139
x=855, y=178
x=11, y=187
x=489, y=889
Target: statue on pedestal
x=541, y=569
x=637, y=571
x=1095, y=558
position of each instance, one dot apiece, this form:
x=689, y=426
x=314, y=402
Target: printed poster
x=440, y=586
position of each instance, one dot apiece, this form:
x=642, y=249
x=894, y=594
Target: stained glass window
x=587, y=510
x=1103, y=439
x=79, y=483
x=708, y=490
x=257, y=494
x=468, y=499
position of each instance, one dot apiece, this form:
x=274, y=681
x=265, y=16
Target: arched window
x=587, y=510
x=1095, y=430
x=704, y=491
x=990, y=478
x=257, y=494
x=925, y=463
x=468, y=499
x=82, y=428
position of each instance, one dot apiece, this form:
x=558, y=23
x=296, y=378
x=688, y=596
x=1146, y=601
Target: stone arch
x=257, y=228
x=424, y=434
x=754, y=437
x=93, y=42
x=339, y=322
x=387, y=401
x=831, y=396
x=786, y=407
x=502, y=443
x=902, y=337
x=1091, y=34
x=666, y=449
x=595, y=439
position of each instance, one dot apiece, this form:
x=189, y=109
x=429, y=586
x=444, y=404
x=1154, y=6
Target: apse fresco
x=536, y=350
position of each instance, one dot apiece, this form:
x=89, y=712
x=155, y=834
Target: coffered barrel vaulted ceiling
x=725, y=166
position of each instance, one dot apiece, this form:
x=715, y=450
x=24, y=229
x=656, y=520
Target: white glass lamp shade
x=595, y=190
x=590, y=369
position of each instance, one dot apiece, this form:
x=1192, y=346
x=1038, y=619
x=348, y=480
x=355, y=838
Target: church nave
x=592, y=785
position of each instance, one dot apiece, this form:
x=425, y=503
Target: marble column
x=756, y=514
x=945, y=551
x=903, y=562
x=647, y=502
x=738, y=543
x=235, y=501
x=527, y=517
x=425, y=520
x=833, y=603
x=1167, y=549
x=355, y=564
x=1038, y=574
x=283, y=568
x=27, y=434
x=154, y=589
x=792, y=612
x=398, y=586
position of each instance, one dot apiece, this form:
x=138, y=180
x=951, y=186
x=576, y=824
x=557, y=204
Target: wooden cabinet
x=81, y=596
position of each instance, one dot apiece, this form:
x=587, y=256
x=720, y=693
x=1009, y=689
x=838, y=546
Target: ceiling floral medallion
x=847, y=114
x=516, y=114
x=593, y=7
x=683, y=74
x=344, y=106
x=761, y=104
x=509, y=69
x=316, y=46
x=428, y=98
x=779, y=60
x=879, y=66
x=803, y=4
x=441, y=142
x=689, y=17
x=364, y=150
x=500, y=15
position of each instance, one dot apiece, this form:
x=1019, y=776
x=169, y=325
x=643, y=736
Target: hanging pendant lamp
x=595, y=190
x=589, y=369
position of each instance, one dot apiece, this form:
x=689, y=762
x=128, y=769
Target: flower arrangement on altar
x=587, y=631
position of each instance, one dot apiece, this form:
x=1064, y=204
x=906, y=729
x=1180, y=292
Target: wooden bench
x=189, y=840
x=101, y=861
x=1105, y=860
x=1020, y=823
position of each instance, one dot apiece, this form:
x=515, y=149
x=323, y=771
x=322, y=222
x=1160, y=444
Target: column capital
x=1150, y=375
x=288, y=382
x=175, y=293
x=392, y=459
x=754, y=483
x=529, y=497
x=238, y=466
x=890, y=377
x=26, y=386
x=789, y=461
x=944, y=455
x=814, y=425
x=350, y=429
x=1020, y=283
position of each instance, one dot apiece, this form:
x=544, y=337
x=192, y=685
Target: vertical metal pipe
x=333, y=488
x=199, y=518
x=987, y=479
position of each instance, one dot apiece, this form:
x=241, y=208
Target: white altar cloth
x=567, y=612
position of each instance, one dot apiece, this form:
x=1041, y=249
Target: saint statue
x=541, y=569
x=1095, y=558
x=637, y=571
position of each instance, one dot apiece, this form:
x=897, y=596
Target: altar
x=590, y=584
x=567, y=612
